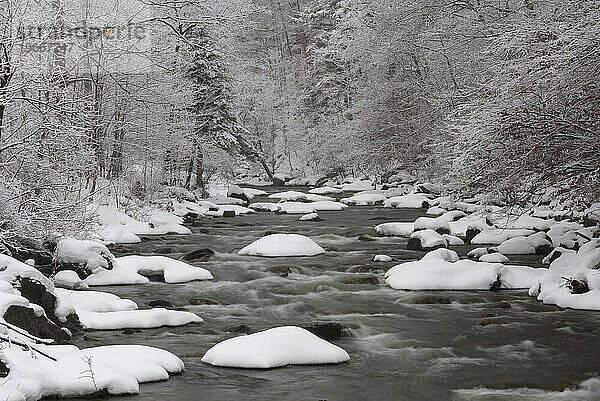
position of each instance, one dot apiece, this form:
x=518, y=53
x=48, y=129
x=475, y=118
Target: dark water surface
x=400, y=349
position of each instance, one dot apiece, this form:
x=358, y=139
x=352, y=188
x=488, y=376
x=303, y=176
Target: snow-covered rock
x=89, y=254
x=322, y=206
x=497, y=236
x=495, y=257
x=411, y=201
x=437, y=274
x=356, y=185
x=531, y=245
x=96, y=301
x=126, y=270
x=69, y=279
x=325, y=191
x=276, y=347
x=225, y=200
x=295, y=208
x=282, y=245
x=443, y=254
x=310, y=217
x=136, y=319
x=264, y=206
x=477, y=252
x=453, y=240
x=364, y=199
x=76, y=373
x=425, y=240
x=395, y=229
x=382, y=258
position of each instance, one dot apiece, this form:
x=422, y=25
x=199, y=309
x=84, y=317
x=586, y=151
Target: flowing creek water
x=400, y=348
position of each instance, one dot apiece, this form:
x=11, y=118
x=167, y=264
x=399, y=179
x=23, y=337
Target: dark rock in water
x=365, y=269
x=590, y=222
x=442, y=231
x=557, y=254
x=278, y=181
x=128, y=331
x=362, y=280
x=152, y=275
x=4, y=370
x=471, y=233
x=577, y=286
x=160, y=303
x=163, y=250
x=270, y=233
x=496, y=285
x=199, y=255
x=283, y=271
x=366, y=237
x=36, y=293
x=26, y=319
x=228, y=213
x=242, y=328
x=499, y=305
x=327, y=331
x=203, y=231
x=431, y=300
x=191, y=218
x=203, y=301
x=544, y=249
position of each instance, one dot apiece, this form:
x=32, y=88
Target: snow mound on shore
x=127, y=269
x=275, y=347
x=115, y=369
x=282, y=245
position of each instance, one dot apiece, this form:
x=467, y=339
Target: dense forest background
x=106, y=98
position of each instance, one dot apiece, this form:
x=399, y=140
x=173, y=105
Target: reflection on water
x=403, y=345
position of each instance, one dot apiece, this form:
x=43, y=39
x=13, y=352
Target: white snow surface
x=325, y=191
x=280, y=346
x=136, y=319
x=395, y=229
x=364, y=199
x=282, y=245
x=126, y=270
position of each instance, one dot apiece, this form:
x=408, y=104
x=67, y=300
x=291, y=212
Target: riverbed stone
x=199, y=255
x=330, y=331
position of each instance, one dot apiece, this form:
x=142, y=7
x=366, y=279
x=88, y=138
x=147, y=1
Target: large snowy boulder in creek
x=281, y=346
x=132, y=270
x=536, y=244
x=91, y=255
x=295, y=208
x=411, y=201
x=395, y=229
x=364, y=199
x=325, y=191
x=437, y=274
x=282, y=245
x=497, y=236
x=426, y=240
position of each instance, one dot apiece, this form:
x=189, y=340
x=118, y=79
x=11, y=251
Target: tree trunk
x=200, y=184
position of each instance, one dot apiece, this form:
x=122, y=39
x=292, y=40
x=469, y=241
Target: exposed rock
x=4, y=370
x=36, y=293
x=283, y=271
x=228, y=213
x=362, y=280
x=199, y=255
x=242, y=328
x=26, y=319
x=431, y=300
x=203, y=301
x=471, y=233
x=327, y=331
x=160, y=303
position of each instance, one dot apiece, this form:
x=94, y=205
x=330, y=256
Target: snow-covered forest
x=300, y=171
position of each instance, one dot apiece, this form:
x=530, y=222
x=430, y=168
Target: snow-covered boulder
x=497, y=236
x=226, y=200
x=453, y=240
x=436, y=274
x=495, y=257
x=531, y=245
x=322, y=206
x=282, y=245
x=127, y=269
x=426, y=240
x=276, y=347
x=382, y=258
x=91, y=255
x=310, y=217
x=356, y=185
x=395, y=229
x=411, y=201
x=443, y=254
x=325, y=191
x=295, y=208
x=364, y=199
x=290, y=196
x=477, y=252
x=73, y=372
x=69, y=279
x=264, y=206
x=136, y=319
x=96, y=301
